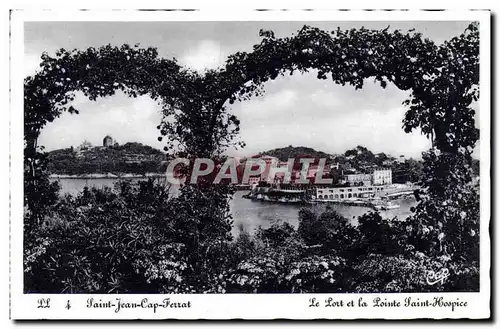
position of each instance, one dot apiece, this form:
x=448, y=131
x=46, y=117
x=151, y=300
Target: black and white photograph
x=328, y=158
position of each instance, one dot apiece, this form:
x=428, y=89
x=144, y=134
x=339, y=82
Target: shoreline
x=107, y=175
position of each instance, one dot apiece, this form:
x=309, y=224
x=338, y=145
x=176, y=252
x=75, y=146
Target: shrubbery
x=139, y=239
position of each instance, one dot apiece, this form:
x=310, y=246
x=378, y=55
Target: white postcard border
x=248, y=306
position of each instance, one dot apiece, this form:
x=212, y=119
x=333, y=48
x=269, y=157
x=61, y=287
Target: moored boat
x=390, y=205
x=278, y=195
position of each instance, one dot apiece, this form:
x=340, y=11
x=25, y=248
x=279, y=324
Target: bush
x=133, y=239
x=328, y=231
x=136, y=238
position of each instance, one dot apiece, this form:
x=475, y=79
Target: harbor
x=251, y=212
x=376, y=197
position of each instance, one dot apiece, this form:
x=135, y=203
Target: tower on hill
x=107, y=141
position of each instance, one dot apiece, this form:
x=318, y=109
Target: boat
x=247, y=196
x=242, y=187
x=390, y=205
x=377, y=203
x=384, y=205
x=278, y=195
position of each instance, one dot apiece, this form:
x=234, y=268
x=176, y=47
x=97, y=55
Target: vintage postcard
x=300, y=164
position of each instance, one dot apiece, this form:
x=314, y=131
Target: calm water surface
x=249, y=214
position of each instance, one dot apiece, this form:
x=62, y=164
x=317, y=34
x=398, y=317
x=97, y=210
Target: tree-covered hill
x=132, y=157
x=285, y=153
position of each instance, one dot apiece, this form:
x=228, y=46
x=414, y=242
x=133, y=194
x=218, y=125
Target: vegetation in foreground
x=137, y=239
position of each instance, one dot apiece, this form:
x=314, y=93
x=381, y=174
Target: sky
x=297, y=110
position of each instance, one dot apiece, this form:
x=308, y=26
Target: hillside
x=128, y=158
x=285, y=153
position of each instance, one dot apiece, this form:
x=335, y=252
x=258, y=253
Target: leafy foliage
x=443, y=80
x=136, y=239
x=327, y=231
x=139, y=239
x=294, y=152
x=449, y=212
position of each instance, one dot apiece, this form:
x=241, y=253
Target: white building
x=83, y=148
x=382, y=177
x=388, y=162
x=341, y=193
x=253, y=180
x=355, y=179
x=270, y=162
